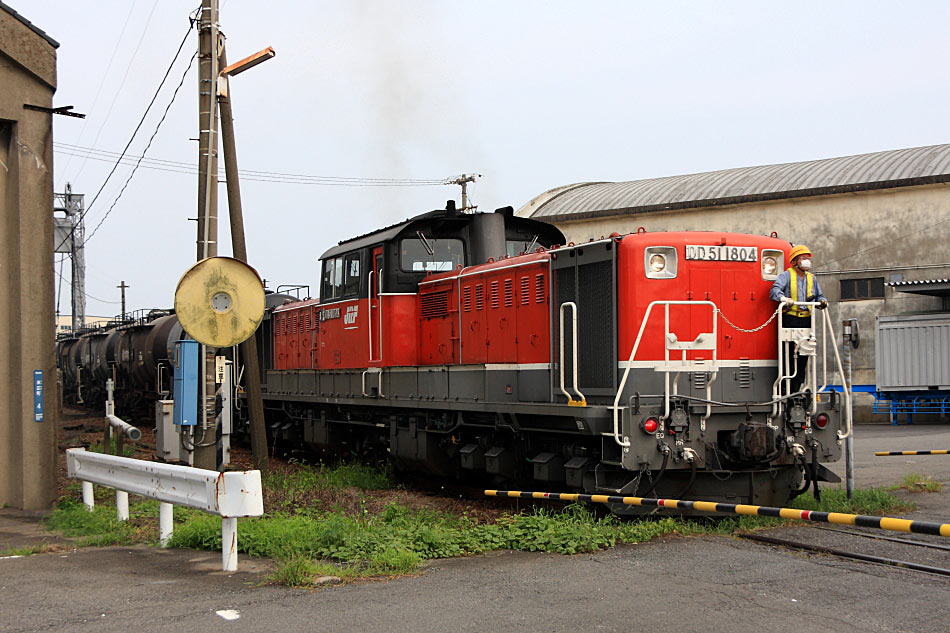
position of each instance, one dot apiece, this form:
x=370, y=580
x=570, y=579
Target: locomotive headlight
x=659, y=262
x=772, y=261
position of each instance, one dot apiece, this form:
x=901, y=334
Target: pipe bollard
x=165, y=522
x=131, y=432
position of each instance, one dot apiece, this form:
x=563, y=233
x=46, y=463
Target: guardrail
x=229, y=495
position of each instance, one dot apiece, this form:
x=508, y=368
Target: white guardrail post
x=229, y=495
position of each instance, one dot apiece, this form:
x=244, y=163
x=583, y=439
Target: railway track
x=915, y=553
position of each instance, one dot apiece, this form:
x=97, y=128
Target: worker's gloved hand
x=788, y=301
x=822, y=304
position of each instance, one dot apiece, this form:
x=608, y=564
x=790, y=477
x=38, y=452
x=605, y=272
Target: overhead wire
x=86, y=294
x=85, y=212
x=121, y=83
x=147, y=146
x=95, y=99
x=249, y=174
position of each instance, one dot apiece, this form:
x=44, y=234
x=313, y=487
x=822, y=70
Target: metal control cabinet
x=186, y=383
x=913, y=352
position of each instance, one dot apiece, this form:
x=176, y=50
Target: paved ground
x=698, y=584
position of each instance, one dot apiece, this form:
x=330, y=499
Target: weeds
x=317, y=524
x=916, y=482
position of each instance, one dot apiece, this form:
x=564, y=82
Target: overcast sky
x=531, y=95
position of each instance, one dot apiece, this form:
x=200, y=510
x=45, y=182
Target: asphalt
x=673, y=584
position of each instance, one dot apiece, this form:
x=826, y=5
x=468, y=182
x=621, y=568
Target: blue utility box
x=185, y=389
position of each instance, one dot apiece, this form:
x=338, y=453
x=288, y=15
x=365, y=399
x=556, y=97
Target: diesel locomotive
x=482, y=347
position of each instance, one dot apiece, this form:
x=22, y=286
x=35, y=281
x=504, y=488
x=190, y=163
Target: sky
x=530, y=95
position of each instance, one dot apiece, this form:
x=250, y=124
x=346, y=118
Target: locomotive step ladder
x=708, y=341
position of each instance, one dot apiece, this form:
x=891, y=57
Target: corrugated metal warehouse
x=878, y=225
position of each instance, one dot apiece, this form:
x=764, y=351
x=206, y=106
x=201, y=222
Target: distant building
x=64, y=323
x=874, y=221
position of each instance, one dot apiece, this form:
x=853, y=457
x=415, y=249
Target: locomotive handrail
x=570, y=400
x=812, y=370
x=624, y=442
x=369, y=328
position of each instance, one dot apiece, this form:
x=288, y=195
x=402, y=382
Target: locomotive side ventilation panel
x=587, y=276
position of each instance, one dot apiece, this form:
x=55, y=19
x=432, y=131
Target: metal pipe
x=127, y=429
x=165, y=522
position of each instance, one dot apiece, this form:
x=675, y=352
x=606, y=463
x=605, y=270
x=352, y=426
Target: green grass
x=128, y=447
x=916, y=482
x=310, y=532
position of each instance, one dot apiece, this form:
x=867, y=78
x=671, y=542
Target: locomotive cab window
x=519, y=246
x=332, y=287
x=422, y=253
x=351, y=270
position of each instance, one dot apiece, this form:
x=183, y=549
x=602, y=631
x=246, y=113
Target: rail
x=229, y=495
x=839, y=518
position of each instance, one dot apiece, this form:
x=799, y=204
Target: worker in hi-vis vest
x=793, y=285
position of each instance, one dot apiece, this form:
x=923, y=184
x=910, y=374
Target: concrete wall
x=27, y=448
x=902, y=231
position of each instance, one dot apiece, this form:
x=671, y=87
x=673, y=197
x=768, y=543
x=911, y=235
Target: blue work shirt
x=781, y=287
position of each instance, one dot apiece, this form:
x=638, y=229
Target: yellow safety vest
x=800, y=311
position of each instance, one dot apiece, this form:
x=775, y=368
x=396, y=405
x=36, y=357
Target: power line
x=148, y=145
x=95, y=100
x=191, y=24
x=121, y=83
x=881, y=245
x=249, y=174
x=85, y=294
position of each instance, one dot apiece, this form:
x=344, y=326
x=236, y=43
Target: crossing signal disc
x=220, y=301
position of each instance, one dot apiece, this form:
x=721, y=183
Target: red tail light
x=821, y=420
x=650, y=425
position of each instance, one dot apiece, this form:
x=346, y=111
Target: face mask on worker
x=804, y=264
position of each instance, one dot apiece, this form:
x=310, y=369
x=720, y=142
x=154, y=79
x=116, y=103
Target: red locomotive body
x=472, y=345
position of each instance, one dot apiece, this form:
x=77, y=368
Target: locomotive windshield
x=430, y=254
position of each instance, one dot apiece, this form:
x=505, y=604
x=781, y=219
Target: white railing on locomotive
x=788, y=334
x=570, y=400
x=704, y=341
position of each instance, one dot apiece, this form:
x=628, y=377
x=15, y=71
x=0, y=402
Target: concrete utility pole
x=122, y=287
x=205, y=444
x=463, y=181
x=252, y=372
x=850, y=339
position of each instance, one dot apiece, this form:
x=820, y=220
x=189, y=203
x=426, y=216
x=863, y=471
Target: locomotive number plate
x=722, y=253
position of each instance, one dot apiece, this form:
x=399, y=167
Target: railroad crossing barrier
x=859, y=520
x=890, y=453
x=229, y=495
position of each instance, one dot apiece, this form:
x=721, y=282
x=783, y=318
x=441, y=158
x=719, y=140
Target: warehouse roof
x=933, y=287
x=879, y=170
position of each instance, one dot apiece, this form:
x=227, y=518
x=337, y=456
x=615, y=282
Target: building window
x=868, y=288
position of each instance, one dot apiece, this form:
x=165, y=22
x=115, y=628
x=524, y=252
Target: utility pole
x=850, y=327
x=248, y=348
x=205, y=442
x=70, y=237
x=463, y=181
x=122, y=287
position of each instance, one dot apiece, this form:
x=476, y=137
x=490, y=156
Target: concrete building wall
x=902, y=231
x=27, y=447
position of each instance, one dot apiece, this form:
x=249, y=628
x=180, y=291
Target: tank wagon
x=481, y=347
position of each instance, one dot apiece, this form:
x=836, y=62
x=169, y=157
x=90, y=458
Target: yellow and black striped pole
x=891, y=453
x=859, y=520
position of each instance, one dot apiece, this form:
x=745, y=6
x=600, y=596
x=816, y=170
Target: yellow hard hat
x=801, y=249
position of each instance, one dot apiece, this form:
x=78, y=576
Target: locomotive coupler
x=678, y=422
